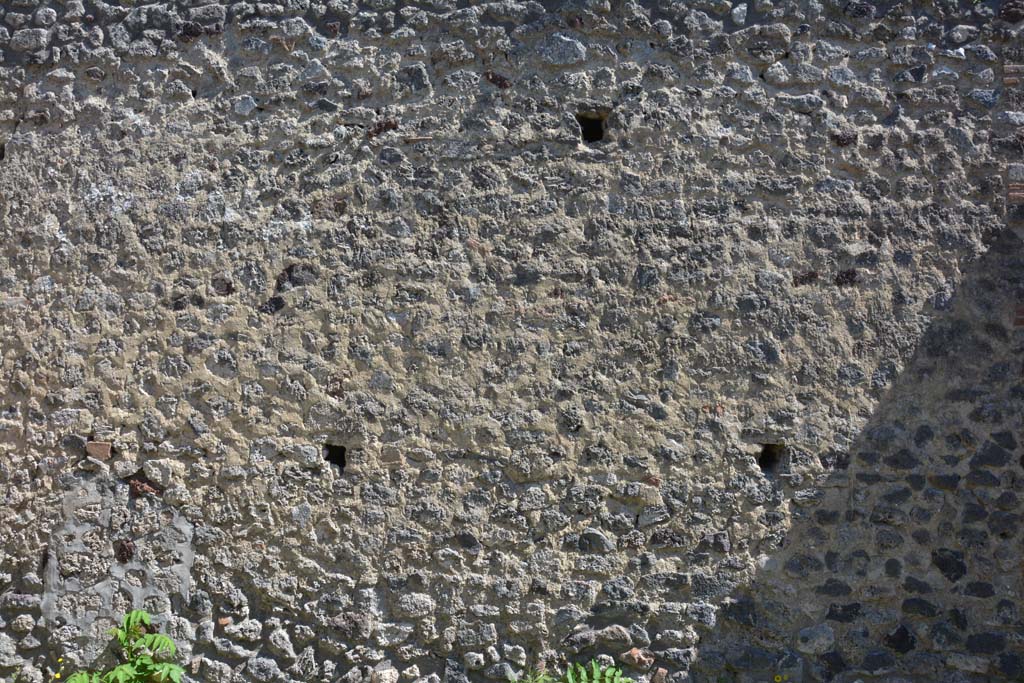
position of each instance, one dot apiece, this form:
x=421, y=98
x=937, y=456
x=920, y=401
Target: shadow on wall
x=907, y=563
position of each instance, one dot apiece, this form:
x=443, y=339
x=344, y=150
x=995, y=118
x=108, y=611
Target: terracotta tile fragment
x=637, y=658
x=99, y=449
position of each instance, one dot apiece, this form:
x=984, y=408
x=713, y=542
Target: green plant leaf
x=143, y=663
x=531, y=676
x=80, y=677
x=123, y=673
x=121, y=635
x=134, y=618
x=165, y=671
x=158, y=644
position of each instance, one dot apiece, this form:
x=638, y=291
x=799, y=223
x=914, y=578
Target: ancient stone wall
x=433, y=340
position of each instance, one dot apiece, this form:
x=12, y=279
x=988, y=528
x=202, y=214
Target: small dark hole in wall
x=335, y=455
x=3, y=151
x=592, y=125
x=770, y=458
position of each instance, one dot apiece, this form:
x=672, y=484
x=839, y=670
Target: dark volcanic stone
x=704, y=321
x=877, y=660
x=742, y=611
x=834, y=663
x=594, y=541
x=944, y=635
x=923, y=435
x=981, y=478
x=826, y=517
x=950, y=563
x=844, y=613
x=991, y=455
x=972, y=512
x=845, y=138
x=846, y=277
x=803, y=565
x=468, y=541
x=947, y=482
x=986, y=643
x=920, y=607
x=295, y=275
x=901, y=640
x=902, y=459
x=913, y=585
x=1005, y=439
x=353, y=625
x=833, y=587
x=222, y=286
x=1010, y=665
x=979, y=589
x=272, y=305
x=859, y=10
x=1012, y=11
x=1004, y=524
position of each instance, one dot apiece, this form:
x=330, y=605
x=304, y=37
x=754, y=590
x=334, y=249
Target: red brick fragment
x=638, y=658
x=497, y=79
x=99, y=449
x=139, y=484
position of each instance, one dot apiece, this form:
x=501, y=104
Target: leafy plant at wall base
x=594, y=673
x=142, y=651
x=533, y=677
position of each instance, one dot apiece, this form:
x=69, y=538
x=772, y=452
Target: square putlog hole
x=335, y=456
x=593, y=125
x=771, y=458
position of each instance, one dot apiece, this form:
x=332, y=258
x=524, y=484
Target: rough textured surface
x=734, y=392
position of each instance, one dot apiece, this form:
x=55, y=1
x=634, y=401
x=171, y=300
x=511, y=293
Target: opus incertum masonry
x=437, y=341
